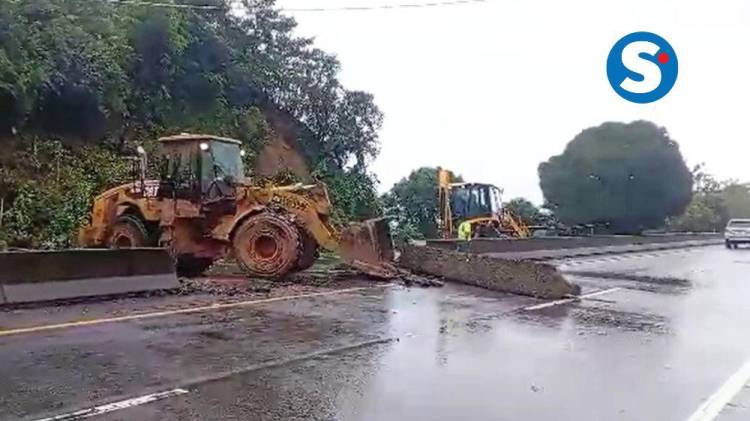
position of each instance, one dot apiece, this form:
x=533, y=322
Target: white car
x=737, y=232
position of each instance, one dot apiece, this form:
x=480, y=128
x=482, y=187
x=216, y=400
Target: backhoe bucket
x=53, y=275
x=368, y=242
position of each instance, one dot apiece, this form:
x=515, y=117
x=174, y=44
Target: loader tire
x=309, y=252
x=267, y=245
x=192, y=267
x=128, y=232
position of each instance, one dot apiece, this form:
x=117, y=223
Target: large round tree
x=627, y=176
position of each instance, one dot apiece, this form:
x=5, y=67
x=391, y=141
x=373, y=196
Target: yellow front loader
x=203, y=208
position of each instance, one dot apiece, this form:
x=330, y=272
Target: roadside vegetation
x=83, y=82
x=713, y=204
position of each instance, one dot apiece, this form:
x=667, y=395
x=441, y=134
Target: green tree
x=706, y=213
x=714, y=203
x=627, y=176
x=736, y=197
x=524, y=209
x=413, y=202
x=704, y=182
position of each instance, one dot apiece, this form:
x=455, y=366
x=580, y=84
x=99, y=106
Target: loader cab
x=200, y=167
x=480, y=204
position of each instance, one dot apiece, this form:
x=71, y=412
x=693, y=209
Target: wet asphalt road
x=671, y=329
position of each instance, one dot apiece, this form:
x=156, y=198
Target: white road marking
x=183, y=386
x=570, y=300
x=714, y=404
x=188, y=310
x=115, y=406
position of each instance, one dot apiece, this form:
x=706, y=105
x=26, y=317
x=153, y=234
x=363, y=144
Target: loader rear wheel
x=309, y=252
x=267, y=245
x=128, y=232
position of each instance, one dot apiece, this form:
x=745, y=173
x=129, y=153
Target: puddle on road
x=631, y=277
x=631, y=281
x=594, y=284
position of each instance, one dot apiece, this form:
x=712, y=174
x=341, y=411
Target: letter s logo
x=648, y=69
x=642, y=67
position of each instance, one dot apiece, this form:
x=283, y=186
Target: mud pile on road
x=328, y=270
x=247, y=288
x=514, y=276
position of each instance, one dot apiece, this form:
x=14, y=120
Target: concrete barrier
x=500, y=245
x=566, y=253
x=52, y=275
x=518, y=277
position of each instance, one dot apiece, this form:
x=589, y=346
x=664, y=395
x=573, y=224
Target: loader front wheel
x=267, y=245
x=309, y=252
x=128, y=232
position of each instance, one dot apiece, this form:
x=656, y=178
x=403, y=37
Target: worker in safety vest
x=464, y=231
x=464, y=234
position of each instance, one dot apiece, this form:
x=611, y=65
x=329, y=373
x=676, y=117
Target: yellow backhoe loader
x=480, y=205
x=203, y=208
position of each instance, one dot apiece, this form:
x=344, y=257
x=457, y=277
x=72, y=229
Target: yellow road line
x=188, y=310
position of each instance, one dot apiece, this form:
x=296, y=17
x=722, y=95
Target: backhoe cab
x=480, y=205
x=203, y=208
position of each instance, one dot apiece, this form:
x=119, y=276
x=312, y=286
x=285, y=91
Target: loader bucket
x=367, y=242
x=53, y=275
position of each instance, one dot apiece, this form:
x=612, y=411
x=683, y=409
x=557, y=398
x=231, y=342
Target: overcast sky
x=491, y=89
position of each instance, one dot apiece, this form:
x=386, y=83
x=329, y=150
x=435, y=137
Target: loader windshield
x=223, y=159
x=474, y=200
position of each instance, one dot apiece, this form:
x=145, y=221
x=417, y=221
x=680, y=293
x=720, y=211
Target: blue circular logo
x=642, y=67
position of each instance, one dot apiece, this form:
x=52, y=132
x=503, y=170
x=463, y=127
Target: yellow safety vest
x=464, y=231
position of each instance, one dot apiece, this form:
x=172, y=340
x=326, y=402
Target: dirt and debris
x=253, y=288
x=596, y=317
x=600, y=320
x=329, y=269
